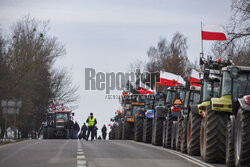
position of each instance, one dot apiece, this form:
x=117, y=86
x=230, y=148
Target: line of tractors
x=212, y=120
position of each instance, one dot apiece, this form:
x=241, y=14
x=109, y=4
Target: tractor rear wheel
x=119, y=130
x=147, y=130
x=178, y=133
x=50, y=133
x=214, y=136
x=184, y=135
x=173, y=136
x=157, y=131
x=230, y=142
x=138, y=129
x=45, y=133
x=242, y=138
x=193, y=135
x=126, y=130
x=168, y=130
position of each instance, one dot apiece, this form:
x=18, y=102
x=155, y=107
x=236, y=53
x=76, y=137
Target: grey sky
x=108, y=34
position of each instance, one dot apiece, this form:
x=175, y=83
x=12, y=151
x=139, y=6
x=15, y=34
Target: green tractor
x=174, y=103
x=192, y=98
x=224, y=137
x=210, y=87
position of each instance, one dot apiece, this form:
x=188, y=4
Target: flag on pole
x=63, y=107
x=194, y=78
x=169, y=79
x=144, y=89
x=54, y=105
x=213, y=32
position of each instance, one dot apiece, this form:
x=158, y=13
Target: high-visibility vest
x=91, y=121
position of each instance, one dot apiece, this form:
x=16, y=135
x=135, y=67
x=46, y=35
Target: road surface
x=75, y=153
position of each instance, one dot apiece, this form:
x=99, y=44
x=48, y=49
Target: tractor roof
x=63, y=111
x=241, y=68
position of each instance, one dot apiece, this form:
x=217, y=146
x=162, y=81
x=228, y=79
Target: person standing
x=91, y=126
x=104, y=132
x=76, y=129
x=83, y=131
x=69, y=128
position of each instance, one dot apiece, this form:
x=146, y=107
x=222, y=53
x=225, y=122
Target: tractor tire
x=215, y=136
x=51, y=133
x=193, y=135
x=242, y=138
x=202, y=137
x=230, y=142
x=45, y=133
x=147, y=130
x=119, y=130
x=157, y=131
x=164, y=134
x=126, y=131
x=184, y=135
x=168, y=130
x=173, y=136
x=178, y=133
x=138, y=129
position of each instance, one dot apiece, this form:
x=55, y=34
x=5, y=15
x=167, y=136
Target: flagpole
x=202, y=54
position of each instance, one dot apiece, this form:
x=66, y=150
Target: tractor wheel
x=242, y=138
x=184, y=135
x=178, y=133
x=50, y=133
x=214, y=136
x=45, y=133
x=230, y=142
x=168, y=130
x=157, y=131
x=202, y=137
x=173, y=136
x=138, y=129
x=126, y=131
x=164, y=134
x=147, y=130
x=193, y=135
x=119, y=130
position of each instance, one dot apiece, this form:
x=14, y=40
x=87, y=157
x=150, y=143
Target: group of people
x=91, y=128
x=73, y=129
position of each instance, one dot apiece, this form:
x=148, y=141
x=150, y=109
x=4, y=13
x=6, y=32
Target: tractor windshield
x=207, y=91
x=241, y=85
x=63, y=116
x=194, y=97
x=170, y=97
x=149, y=104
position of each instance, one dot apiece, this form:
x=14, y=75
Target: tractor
x=57, y=124
x=174, y=104
x=225, y=132
x=210, y=87
x=149, y=115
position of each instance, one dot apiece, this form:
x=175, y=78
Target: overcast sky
x=109, y=34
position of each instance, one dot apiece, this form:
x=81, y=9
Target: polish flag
x=144, y=89
x=194, y=78
x=169, y=79
x=213, y=32
x=54, y=105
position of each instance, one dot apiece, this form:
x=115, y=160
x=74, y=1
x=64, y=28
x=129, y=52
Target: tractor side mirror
x=73, y=114
x=234, y=73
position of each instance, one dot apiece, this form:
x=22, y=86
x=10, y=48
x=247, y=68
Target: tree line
x=27, y=73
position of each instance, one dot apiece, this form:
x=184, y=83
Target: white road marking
x=187, y=157
x=81, y=159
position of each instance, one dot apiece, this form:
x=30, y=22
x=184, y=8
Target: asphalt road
x=75, y=153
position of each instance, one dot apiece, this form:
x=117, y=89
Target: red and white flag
x=144, y=89
x=54, y=105
x=169, y=79
x=194, y=78
x=213, y=32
